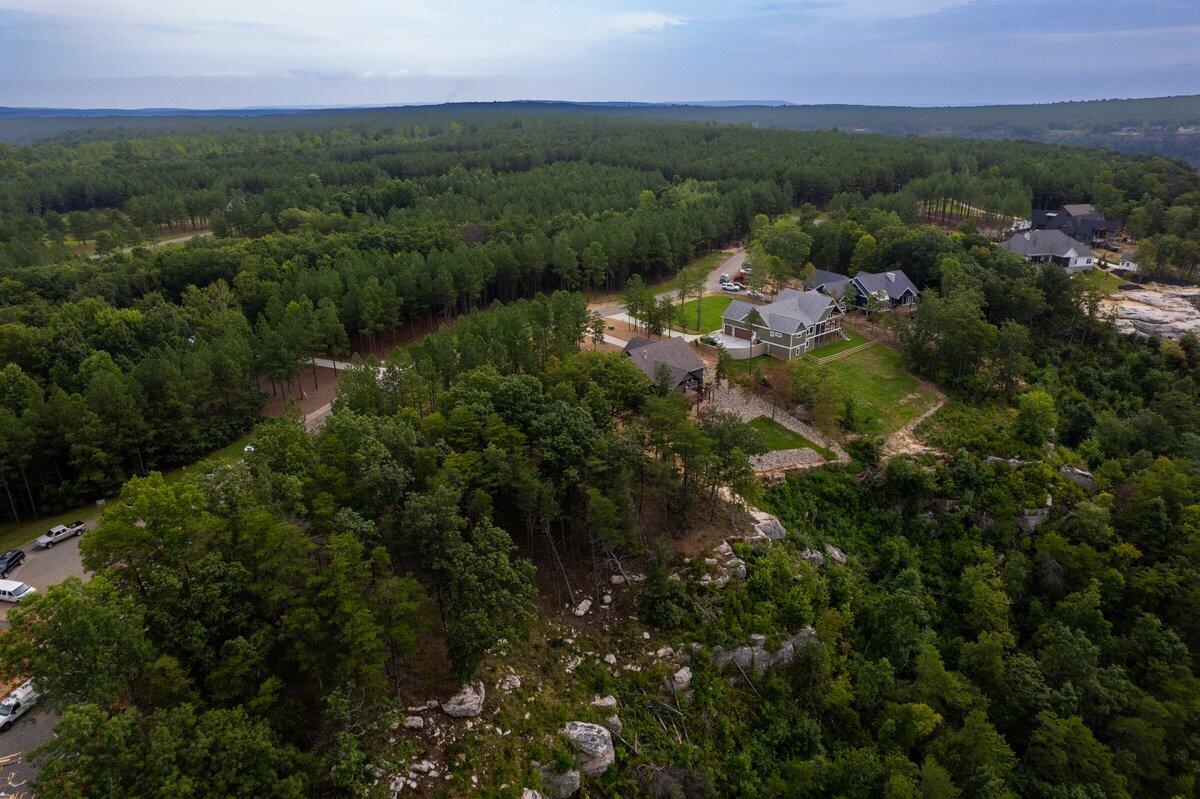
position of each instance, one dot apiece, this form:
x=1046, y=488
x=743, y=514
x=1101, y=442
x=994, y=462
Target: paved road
x=42, y=568
x=712, y=283
x=161, y=243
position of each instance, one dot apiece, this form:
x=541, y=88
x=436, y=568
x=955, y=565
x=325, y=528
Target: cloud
x=634, y=21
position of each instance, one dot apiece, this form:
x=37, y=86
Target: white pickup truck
x=60, y=532
x=17, y=704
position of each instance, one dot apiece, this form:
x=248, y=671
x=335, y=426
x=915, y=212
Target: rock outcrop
x=1156, y=309
x=466, y=703
x=754, y=657
x=593, y=746
x=1080, y=477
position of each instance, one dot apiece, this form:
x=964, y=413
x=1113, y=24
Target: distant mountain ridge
x=1160, y=125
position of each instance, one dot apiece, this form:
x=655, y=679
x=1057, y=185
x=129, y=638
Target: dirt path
x=904, y=441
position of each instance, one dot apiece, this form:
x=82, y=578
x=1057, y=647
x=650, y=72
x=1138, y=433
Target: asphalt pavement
x=41, y=569
x=712, y=283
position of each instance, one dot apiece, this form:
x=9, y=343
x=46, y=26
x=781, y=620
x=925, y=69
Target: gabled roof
x=635, y=342
x=1079, y=209
x=676, y=353
x=894, y=283
x=1046, y=242
x=833, y=283
x=791, y=310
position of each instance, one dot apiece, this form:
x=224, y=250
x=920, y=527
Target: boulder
x=768, y=526
x=593, y=746
x=560, y=785
x=613, y=724
x=604, y=701
x=812, y=556
x=1080, y=477
x=510, y=683
x=835, y=554
x=680, y=681
x=530, y=793
x=610, y=659
x=583, y=607
x=467, y=702
x=414, y=723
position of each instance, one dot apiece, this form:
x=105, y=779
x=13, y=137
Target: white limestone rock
x=467, y=702
x=593, y=746
x=680, y=681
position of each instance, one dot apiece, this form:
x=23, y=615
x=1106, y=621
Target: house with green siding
x=793, y=323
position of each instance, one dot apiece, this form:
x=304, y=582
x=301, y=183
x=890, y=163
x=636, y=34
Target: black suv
x=10, y=560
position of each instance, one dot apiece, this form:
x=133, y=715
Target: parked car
x=14, y=591
x=730, y=287
x=60, y=532
x=10, y=560
x=756, y=294
x=17, y=704
x=709, y=340
x=724, y=279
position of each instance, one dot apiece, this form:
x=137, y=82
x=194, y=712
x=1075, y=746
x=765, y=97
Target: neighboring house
x=685, y=366
x=829, y=283
x=1127, y=262
x=1052, y=246
x=1080, y=221
x=790, y=325
x=878, y=291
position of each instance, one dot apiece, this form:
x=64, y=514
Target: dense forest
x=260, y=629
x=1167, y=126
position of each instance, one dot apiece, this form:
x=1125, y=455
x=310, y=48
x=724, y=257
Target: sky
x=253, y=53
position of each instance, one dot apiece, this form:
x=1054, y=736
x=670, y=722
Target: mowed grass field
x=1098, y=280
x=889, y=396
x=711, y=309
x=776, y=437
x=838, y=345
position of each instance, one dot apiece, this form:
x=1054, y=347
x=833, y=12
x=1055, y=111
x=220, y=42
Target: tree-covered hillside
x=1007, y=610
x=1158, y=125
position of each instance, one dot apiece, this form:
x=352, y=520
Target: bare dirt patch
x=308, y=393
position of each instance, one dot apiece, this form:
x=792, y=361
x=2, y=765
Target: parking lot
x=45, y=567
x=42, y=568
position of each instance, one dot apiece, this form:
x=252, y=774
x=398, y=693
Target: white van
x=17, y=704
x=14, y=591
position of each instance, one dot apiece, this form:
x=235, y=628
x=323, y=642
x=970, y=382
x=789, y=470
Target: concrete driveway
x=41, y=569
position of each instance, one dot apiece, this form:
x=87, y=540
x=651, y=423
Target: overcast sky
x=239, y=53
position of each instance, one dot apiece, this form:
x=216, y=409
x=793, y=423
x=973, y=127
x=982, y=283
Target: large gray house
x=789, y=326
x=1052, y=246
x=1080, y=221
x=886, y=289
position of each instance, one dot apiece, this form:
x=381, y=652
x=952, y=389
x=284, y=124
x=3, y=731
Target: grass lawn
x=14, y=535
x=1098, y=280
x=711, y=309
x=775, y=436
x=838, y=345
x=888, y=396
